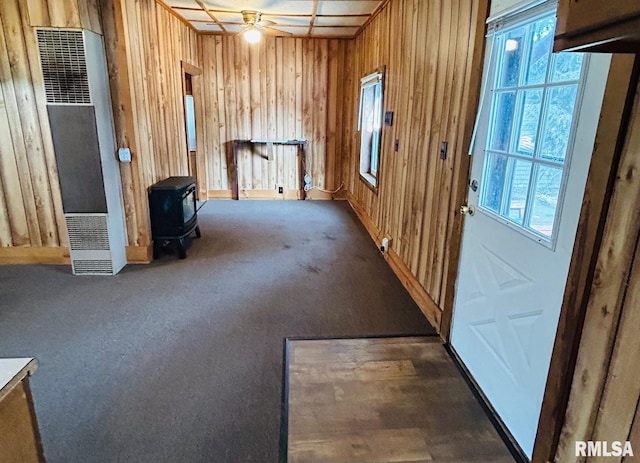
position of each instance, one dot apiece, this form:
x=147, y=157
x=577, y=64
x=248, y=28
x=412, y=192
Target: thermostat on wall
x=124, y=155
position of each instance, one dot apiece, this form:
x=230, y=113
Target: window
x=533, y=102
x=370, y=126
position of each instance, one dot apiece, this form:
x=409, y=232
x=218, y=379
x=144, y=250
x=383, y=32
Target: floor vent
x=89, y=244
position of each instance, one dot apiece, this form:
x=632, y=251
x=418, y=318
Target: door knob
x=467, y=210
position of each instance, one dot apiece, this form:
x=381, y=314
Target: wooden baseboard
x=35, y=255
x=220, y=194
x=139, y=254
x=319, y=195
x=268, y=194
x=428, y=307
x=371, y=227
x=60, y=255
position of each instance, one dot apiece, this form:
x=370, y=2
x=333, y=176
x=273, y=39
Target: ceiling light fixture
x=252, y=35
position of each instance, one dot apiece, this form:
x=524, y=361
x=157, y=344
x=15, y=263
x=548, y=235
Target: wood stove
x=172, y=204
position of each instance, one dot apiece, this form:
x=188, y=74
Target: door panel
x=531, y=160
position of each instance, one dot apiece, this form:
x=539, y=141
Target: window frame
x=498, y=37
x=370, y=176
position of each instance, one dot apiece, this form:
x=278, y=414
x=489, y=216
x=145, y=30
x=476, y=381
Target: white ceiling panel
x=182, y=3
x=193, y=15
x=289, y=20
x=234, y=17
x=266, y=6
x=344, y=7
x=341, y=18
x=293, y=30
x=334, y=31
x=233, y=28
x=204, y=27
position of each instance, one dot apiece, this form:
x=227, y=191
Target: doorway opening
x=193, y=120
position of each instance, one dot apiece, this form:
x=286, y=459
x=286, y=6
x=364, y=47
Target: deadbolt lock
x=467, y=210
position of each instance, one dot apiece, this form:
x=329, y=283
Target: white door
x=529, y=168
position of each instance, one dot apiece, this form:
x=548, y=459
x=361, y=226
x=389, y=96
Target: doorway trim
x=195, y=73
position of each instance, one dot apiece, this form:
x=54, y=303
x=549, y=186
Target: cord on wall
x=308, y=187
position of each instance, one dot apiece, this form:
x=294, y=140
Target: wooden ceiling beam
x=299, y=26
x=293, y=36
x=211, y=15
x=313, y=16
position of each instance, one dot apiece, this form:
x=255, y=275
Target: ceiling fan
x=255, y=25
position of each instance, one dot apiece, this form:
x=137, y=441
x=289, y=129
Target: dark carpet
x=181, y=360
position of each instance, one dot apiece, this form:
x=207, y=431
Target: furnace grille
x=92, y=267
x=64, y=67
x=88, y=232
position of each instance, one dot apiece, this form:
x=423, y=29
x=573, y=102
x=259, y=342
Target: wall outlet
x=280, y=190
x=386, y=243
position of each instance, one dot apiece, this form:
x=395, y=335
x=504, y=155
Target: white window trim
x=527, y=12
x=376, y=77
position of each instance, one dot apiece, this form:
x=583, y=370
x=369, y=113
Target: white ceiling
x=301, y=18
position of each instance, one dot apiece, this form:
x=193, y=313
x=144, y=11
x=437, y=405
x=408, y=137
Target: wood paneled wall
x=31, y=217
x=145, y=48
x=280, y=88
x=605, y=393
x=432, y=51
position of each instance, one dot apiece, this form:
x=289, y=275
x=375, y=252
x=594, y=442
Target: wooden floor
x=383, y=400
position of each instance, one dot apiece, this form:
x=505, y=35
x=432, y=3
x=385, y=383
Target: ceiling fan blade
x=241, y=31
x=273, y=31
x=266, y=23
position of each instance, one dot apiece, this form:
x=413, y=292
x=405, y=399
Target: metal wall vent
x=92, y=267
x=88, y=232
x=64, y=67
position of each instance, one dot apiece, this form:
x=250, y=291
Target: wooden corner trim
x=177, y=16
x=139, y=254
x=373, y=16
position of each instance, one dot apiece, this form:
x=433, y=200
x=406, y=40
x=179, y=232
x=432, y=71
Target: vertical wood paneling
x=31, y=206
x=605, y=385
x=146, y=46
x=280, y=88
x=427, y=48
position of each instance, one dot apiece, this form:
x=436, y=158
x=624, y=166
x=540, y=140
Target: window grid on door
x=533, y=100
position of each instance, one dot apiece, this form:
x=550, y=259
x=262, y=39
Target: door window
x=533, y=103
